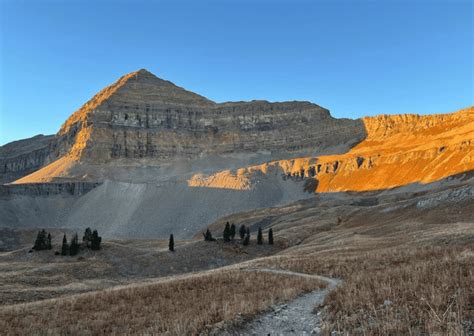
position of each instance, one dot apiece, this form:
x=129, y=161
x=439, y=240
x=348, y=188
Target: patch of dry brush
x=185, y=306
x=402, y=291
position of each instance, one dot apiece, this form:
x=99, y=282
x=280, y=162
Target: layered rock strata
x=399, y=150
x=144, y=117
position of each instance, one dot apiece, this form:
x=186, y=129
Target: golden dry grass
x=426, y=289
x=181, y=307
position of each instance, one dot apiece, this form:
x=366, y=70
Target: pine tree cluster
x=244, y=233
x=91, y=240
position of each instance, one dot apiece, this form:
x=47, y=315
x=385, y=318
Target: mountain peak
x=138, y=87
x=142, y=73
x=153, y=89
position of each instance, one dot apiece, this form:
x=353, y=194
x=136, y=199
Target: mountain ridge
x=134, y=166
x=148, y=120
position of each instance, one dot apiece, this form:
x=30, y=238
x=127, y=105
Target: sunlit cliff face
x=150, y=123
x=398, y=150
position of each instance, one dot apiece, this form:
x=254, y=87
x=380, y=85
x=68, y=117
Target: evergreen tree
x=37, y=244
x=74, y=247
x=41, y=242
x=87, y=238
x=208, y=236
x=96, y=240
x=259, y=236
x=171, y=243
x=242, y=231
x=232, y=231
x=227, y=232
x=65, y=246
x=246, y=240
x=50, y=246
x=270, y=237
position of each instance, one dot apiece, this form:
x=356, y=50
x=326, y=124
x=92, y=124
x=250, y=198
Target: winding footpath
x=296, y=317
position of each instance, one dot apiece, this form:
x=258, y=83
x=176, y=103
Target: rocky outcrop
x=47, y=189
x=22, y=157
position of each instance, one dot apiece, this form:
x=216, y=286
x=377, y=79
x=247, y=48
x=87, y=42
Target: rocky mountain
x=144, y=158
x=144, y=117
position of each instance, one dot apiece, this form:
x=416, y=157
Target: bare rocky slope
x=144, y=158
x=20, y=158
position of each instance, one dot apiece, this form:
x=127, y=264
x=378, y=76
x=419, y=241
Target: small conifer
x=270, y=236
x=96, y=240
x=227, y=232
x=242, y=231
x=74, y=247
x=246, y=240
x=65, y=246
x=208, y=236
x=171, y=243
x=232, y=231
x=259, y=236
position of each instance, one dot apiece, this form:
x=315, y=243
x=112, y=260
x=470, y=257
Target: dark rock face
x=46, y=189
x=22, y=157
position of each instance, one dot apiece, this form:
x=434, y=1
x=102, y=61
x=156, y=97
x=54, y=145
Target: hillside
x=394, y=254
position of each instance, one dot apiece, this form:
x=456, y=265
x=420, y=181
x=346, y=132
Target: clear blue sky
x=355, y=58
